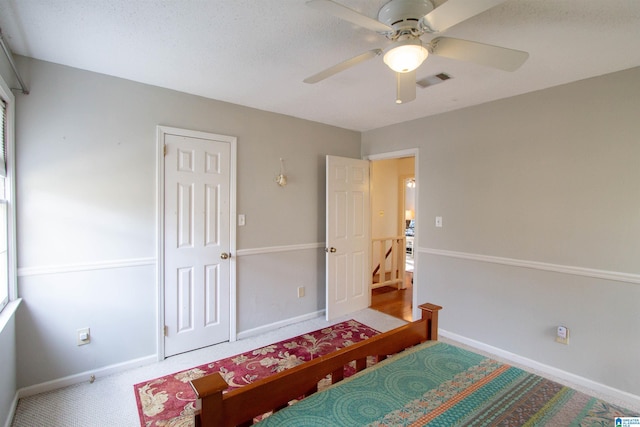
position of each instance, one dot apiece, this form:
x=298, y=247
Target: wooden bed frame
x=240, y=406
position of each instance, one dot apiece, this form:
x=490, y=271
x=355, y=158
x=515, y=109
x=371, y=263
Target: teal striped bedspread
x=436, y=384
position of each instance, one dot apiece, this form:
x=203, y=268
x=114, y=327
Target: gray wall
x=550, y=180
x=86, y=162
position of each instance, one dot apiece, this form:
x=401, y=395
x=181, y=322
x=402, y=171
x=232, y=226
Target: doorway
x=393, y=221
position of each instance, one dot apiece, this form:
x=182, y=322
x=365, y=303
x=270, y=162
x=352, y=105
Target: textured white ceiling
x=257, y=52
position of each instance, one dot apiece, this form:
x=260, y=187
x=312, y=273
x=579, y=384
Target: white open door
x=197, y=240
x=348, y=240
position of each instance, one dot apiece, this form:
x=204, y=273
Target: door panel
x=212, y=294
x=185, y=299
x=185, y=216
x=359, y=270
x=348, y=240
x=211, y=225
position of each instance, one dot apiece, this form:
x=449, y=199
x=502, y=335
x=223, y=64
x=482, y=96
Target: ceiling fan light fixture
x=406, y=56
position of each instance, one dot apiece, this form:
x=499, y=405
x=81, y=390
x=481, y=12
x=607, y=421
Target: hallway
x=394, y=302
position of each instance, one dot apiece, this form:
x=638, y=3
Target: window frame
x=7, y=96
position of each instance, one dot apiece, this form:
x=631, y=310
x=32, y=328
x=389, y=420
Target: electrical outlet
x=84, y=336
x=562, y=335
x=300, y=291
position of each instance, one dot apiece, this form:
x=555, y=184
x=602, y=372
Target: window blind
x=3, y=138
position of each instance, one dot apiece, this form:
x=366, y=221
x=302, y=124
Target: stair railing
x=391, y=266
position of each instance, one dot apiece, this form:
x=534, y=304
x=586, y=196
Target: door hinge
x=166, y=331
x=164, y=148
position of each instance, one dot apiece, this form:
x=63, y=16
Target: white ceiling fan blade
x=343, y=66
x=453, y=12
x=405, y=87
x=349, y=15
x=479, y=53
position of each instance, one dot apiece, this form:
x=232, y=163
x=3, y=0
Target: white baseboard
x=85, y=376
x=569, y=378
x=282, y=323
x=12, y=411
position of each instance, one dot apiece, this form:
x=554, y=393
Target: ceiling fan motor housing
x=405, y=16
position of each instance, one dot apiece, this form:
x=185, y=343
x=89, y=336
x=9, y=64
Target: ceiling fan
x=404, y=22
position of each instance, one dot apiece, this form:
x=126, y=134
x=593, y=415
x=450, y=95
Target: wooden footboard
x=240, y=406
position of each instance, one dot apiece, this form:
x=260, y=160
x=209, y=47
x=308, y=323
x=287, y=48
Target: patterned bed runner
x=169, y=401
x=437, y=384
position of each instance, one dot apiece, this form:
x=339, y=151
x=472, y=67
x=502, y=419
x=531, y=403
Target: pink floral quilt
x=169, y=401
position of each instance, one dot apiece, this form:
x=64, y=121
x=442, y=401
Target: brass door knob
x=224, y=255
x=332, y=250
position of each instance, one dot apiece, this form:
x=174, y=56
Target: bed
x=241, y=406
x=423, y=382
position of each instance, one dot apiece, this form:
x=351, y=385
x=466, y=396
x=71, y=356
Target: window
x=4, y=255
x=6, y=235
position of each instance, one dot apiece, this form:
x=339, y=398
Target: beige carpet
x=109, y=401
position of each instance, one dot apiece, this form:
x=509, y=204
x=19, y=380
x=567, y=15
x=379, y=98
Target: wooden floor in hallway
x=395, y=302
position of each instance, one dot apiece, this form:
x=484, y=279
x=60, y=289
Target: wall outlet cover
x=84, y=336
x=562, y=335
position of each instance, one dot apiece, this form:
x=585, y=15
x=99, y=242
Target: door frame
x=410, y=152
x=161, y=131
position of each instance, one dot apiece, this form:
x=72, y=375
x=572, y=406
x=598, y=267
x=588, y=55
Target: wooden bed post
x=209, y=390
x=430, y=313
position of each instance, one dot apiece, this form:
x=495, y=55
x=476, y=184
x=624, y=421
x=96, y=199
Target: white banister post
x=402, y=254
x=383, y=261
